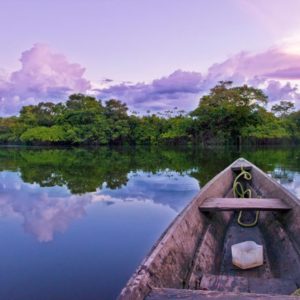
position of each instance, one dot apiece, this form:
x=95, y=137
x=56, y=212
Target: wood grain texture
x=177, y=294
x=236, y=234
x=241, y=163
x=215, y=204
x=170, y=259
x=195, y=243
x=225, y=283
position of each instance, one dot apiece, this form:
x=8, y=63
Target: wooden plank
x=227, y=283
x=236, y=234
x=238, y=168
x=207, y=257
x=213, y=204
x=181, y=294
x=170, y=259
x=224, y=283
x=241, y=163
x=172, y=255
x=272, y=286
x=270, y=188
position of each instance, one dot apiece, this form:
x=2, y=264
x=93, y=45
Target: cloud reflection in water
x=45, y=211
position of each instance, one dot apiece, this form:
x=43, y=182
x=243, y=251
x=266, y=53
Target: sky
x=153, y=55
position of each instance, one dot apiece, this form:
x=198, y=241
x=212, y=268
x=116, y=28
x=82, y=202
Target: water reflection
x=289, y=179
x=85, y=170
x=91, y=215
x=42, y=211
x=45, y=211
x=48, y=188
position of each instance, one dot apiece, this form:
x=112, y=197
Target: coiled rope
x=240, y=192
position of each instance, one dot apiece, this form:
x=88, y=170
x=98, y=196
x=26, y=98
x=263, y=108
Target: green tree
x=178, y=130
x=146, y=129
x=115, y=109
x=118, y=121
x=81, y=109
x=225, y=111
x=293, y=124
x=226, y=115
x=44, y=135
x=43, y=114
x=10, y=130
x=283, y=109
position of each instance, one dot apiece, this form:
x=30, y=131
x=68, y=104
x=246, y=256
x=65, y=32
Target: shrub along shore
x=227, y=115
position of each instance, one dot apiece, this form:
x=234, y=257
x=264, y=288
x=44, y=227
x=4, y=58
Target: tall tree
x=283, y=109
x=224, y=112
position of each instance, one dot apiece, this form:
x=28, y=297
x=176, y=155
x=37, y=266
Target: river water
x=75, y=223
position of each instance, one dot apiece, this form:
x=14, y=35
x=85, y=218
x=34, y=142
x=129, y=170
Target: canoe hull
x=193, y=242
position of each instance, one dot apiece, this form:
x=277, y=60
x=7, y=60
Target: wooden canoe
x=192, y=259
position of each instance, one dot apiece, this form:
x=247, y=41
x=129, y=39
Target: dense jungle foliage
x=227, y=115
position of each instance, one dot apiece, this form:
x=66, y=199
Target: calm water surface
x=75, y=223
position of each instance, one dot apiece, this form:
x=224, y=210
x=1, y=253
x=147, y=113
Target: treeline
x=227, y=115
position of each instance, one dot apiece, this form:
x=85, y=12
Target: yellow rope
x=240, y=192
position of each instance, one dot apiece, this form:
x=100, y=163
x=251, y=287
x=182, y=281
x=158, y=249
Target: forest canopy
x=226, y=115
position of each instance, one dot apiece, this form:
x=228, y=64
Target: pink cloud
x=50, y=215
x=48, y=76
x=44, y=75
x=261, y=64
x=265, y=70
x=47, y=212
x=177, y=89
x=43, y=216
x=278, y=91
x=286, y=73
x=269, y=70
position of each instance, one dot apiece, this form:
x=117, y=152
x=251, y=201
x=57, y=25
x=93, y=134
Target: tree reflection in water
x=49, y=188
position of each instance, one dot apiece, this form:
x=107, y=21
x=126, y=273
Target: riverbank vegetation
x=227, y=115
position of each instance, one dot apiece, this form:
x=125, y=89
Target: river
x=76, y=222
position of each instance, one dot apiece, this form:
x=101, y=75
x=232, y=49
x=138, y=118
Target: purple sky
x=151, y=54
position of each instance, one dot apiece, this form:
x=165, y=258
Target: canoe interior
x=195, y=251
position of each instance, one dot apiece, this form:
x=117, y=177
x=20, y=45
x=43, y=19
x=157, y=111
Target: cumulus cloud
x=44, y=76
x=249, y=65
x=177, y=89
x=270, y=70
x=48, y=76
x=286, y=73
x=277, y=91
